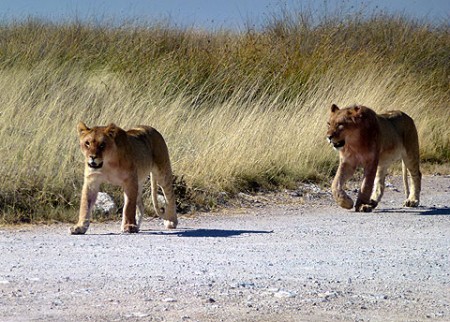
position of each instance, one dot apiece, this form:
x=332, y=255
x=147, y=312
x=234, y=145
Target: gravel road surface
x=285, y=262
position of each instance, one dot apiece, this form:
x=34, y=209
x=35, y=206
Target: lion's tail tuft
x=405, y=178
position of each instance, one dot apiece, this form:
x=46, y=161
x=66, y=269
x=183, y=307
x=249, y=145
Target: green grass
x=238, y=110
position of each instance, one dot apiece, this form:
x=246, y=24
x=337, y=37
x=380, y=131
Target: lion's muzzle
x=337, y=145
x=94, y=164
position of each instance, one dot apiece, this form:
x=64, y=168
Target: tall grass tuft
x=238, y=110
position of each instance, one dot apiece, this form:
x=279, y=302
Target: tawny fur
x=373, y=141
x=125, y=158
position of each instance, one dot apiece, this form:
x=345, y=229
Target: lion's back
x=149, y=146
x=400, y=122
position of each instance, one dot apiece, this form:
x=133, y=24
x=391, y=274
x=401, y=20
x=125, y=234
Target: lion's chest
x=114, y=176
x=357, y=155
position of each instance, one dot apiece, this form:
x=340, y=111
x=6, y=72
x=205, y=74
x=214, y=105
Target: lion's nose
x=92, y=160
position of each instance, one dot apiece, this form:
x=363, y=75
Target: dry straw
x=237, y=110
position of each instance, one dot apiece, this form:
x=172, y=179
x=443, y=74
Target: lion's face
x=341, y=124
x=96, y=144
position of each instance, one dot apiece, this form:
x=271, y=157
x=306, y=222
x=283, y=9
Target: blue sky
x=207, y=13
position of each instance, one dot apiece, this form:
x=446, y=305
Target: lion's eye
x=340, y=126
x=87, y=143
x=102, y=145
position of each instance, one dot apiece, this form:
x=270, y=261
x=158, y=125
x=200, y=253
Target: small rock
x=222, y=198
x=327, y=295
x=169, y=300
x=161, y=201
x=284, y=294
x=296, y=193
x=246, y=284
x=381, y=297
x=104, y=204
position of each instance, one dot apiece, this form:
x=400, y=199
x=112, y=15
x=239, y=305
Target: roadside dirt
x=270, y=262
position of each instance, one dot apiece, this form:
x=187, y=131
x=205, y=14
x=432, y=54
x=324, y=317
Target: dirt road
x=311, y=262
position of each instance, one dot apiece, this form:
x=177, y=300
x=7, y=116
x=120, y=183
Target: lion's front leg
x=363, y=202
x=129, y=210
x=345, y=171
x=88, y=197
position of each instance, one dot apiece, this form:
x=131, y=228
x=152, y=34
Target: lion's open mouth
x=94, y=165
x=338, y=145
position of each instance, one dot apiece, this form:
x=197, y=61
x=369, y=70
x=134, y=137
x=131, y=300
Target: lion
x=373, y=141
x=125, y=158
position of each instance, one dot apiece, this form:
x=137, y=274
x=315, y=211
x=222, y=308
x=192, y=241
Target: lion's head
x=351, y=125
x=97, y=143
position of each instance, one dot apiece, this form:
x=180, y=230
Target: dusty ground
x=287, y=262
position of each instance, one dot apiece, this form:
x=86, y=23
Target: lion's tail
x=155, y=196
x=405, y=178
x=168, y=212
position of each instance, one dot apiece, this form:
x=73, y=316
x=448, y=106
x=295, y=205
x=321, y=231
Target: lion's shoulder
x=397, y=121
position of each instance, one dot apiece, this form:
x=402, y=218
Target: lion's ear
x=81, y=128
x=355, y=113
x=112, y=130
x=334, y=108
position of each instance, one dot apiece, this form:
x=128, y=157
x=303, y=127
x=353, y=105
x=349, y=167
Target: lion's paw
x=364, y=208
x=130, y=229
x=77, y=230
x=373, y=203
x=411, y=203
x=170, y=224
x=346, y=203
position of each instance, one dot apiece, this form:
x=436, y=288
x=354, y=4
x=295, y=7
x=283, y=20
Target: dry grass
x=238, y=110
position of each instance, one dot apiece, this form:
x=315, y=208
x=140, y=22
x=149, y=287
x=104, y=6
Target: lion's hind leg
x=411, y=166
x=140, y=207
x=411, y=161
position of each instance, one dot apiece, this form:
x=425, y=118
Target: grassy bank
x=238, y=110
